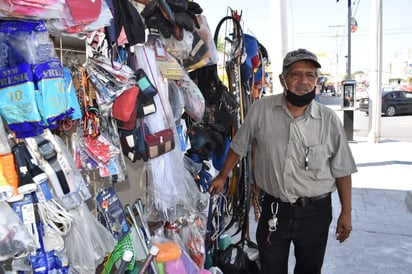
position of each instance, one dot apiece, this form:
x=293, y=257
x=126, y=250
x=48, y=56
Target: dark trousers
x=306, y=227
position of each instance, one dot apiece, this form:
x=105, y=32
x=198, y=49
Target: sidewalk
x=381, y=240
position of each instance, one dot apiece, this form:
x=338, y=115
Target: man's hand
x=344, y=227
x=217, y=184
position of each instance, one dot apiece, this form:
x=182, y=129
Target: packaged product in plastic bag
x=88, y=242
x=15, y=240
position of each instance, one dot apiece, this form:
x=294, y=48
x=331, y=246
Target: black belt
x=304, y=201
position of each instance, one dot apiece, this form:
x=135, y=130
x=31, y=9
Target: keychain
x=273, y=222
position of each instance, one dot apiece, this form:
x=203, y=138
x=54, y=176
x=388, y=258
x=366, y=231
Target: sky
x=321, y=26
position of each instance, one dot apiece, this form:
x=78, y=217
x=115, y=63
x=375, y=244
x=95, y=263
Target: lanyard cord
x=305, y=143
x=160, y=96
x=218, y=230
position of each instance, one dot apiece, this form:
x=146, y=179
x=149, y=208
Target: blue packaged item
x=72, y=96
x=18, y=102
x=51, y=96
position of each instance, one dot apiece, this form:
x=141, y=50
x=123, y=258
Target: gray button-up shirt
x=295, y=157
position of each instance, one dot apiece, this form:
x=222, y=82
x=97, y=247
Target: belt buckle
x=300, y=202
x=294, y=204
x=297, y=203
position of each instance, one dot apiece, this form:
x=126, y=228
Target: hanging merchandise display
x=76, y=136
x=241, y=66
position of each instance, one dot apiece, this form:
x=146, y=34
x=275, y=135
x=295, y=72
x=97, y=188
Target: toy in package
x=111, y=210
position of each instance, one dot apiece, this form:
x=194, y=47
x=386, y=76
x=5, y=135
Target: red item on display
x=84, y=11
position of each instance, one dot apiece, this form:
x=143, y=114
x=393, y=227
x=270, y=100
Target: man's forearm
x=344, y=186
x=231, y=160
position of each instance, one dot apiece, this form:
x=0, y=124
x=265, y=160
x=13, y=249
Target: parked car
x=394, y=102
x=361, y=93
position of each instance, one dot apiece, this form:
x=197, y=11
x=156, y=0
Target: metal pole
x=348, y=113
x=349, y=39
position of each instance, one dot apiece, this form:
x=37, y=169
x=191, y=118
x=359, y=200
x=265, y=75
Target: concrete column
x=375, y=104
x=279, y=46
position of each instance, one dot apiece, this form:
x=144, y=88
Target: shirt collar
x=314, y=109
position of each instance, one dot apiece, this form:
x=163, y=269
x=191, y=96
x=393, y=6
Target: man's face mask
x=299, y=100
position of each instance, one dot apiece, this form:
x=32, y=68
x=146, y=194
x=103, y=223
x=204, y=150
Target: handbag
x=133, y=143
x=159, y=143
x=124, y=108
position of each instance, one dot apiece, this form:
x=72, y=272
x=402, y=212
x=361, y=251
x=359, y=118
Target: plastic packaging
x=88, y=242
x=4, y=144
x=14, y=237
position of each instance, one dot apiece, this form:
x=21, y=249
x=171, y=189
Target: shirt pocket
x=317, y=157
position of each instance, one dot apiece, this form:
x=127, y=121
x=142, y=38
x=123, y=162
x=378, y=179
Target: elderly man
x=302, y=156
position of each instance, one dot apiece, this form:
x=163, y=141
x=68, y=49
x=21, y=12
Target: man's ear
x=282, y=81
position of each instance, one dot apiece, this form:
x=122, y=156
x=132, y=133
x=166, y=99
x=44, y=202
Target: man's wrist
x=221, y=176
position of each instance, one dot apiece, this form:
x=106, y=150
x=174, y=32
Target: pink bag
x=84, y=11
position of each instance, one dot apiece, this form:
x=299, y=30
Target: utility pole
x=348, y=92
x=349, y=38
